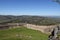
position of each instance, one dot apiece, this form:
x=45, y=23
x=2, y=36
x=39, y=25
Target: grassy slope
x=24, y=34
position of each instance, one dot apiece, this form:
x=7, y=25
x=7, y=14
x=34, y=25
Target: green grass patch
x=22, y=33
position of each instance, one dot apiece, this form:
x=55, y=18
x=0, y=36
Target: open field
x=22, y=33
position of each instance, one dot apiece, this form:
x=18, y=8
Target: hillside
x=37, y=20
x=22, y=33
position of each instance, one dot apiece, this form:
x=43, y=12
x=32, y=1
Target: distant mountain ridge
x=37, y=20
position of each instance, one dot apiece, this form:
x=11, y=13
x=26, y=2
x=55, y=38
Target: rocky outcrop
x=55, y=34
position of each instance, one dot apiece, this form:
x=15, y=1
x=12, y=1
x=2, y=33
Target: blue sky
x=29, y=7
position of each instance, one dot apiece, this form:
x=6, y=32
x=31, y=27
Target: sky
x=29, y=7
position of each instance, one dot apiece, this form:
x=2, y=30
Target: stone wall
x=44, y=29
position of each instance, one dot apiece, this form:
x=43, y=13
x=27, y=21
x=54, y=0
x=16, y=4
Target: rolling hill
x=37, y=20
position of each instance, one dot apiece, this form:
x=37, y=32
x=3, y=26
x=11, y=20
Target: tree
x=58, y=1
